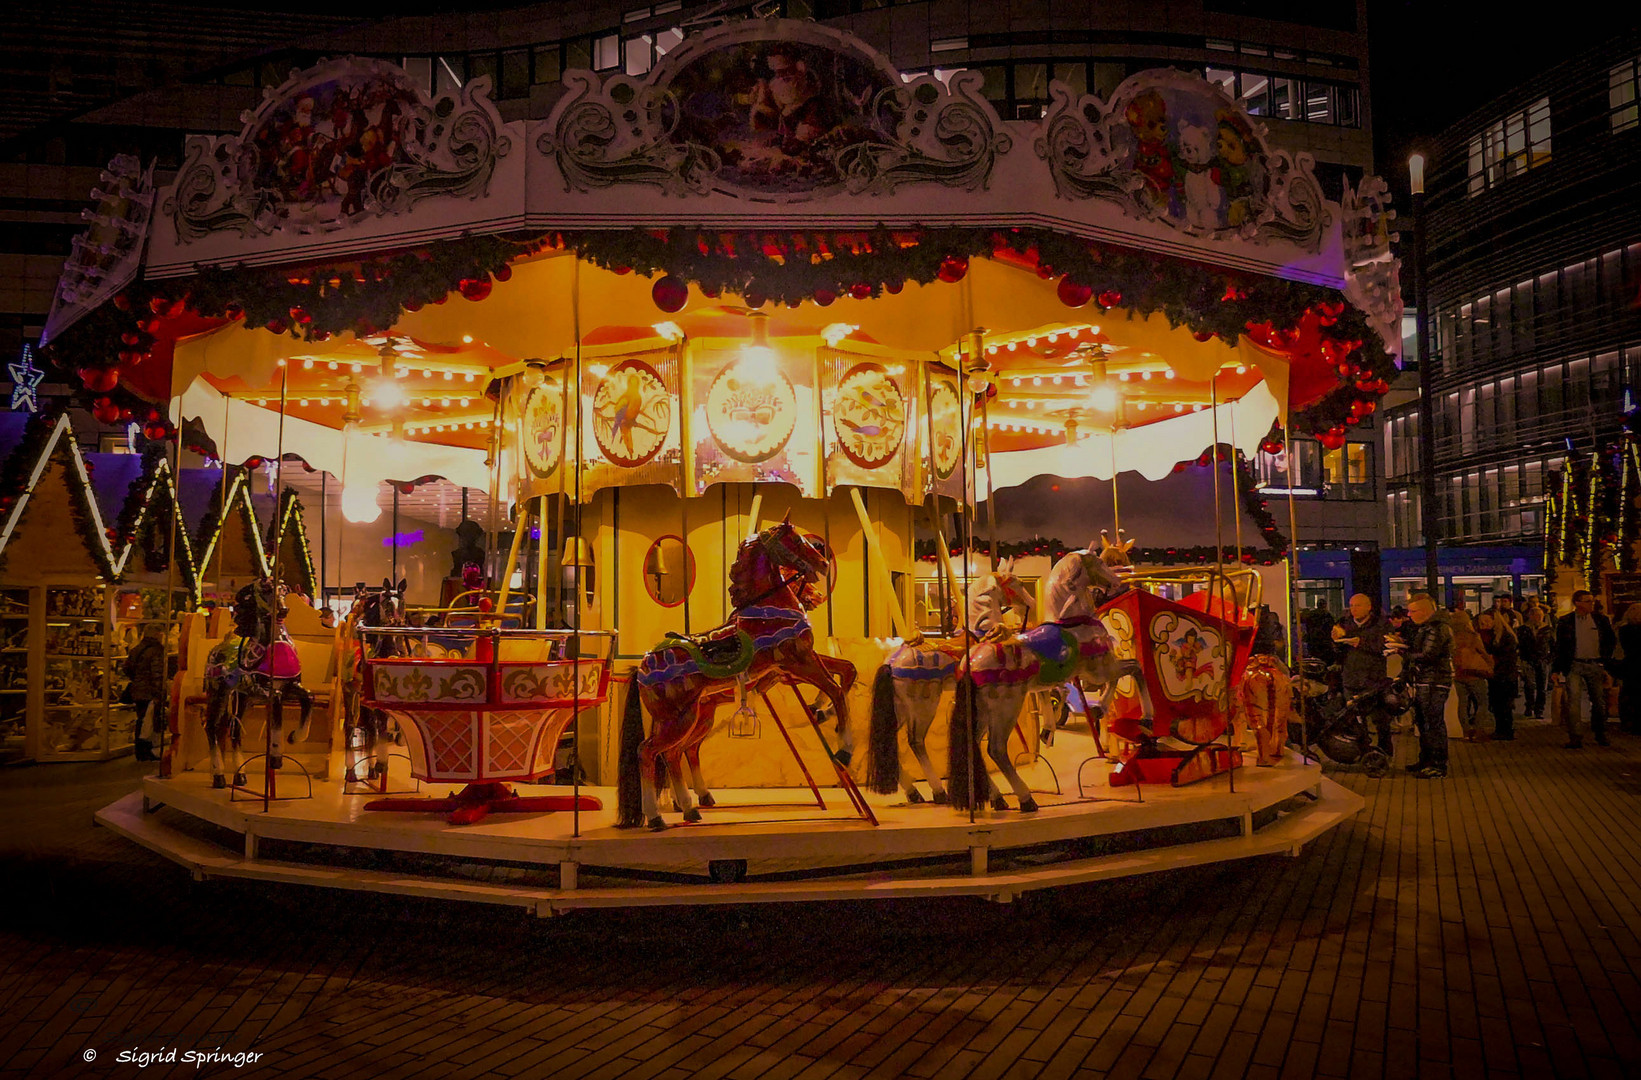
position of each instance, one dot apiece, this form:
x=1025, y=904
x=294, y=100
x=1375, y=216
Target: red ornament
x=825, y=297
x=122, y=301
x=893, y=287
x=755, y=299
x=129, y=338
x=413, y=304
x=300, y=316
x=670, y=294
x=953, y=268
x=1074, y=293
x=159, y=305
x=278, y=326
x=621, y=269
x=711, y=292
x=861, y=290
x=1203, y=335
x=105, y=411
x=476, y=288
x=100, y=380
x=1110, y=298
x=502, y=272
x=1331, y=439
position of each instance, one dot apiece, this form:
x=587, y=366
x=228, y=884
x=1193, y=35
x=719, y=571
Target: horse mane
x=749, y=572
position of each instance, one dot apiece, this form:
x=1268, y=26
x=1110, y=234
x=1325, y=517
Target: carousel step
x=1287, y=835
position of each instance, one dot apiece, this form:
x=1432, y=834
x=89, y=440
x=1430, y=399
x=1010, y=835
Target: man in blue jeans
x=1584, y=653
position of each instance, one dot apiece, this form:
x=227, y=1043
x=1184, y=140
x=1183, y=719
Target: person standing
x=1629, y=670
x=1534, y=649
x=145, y=667
x=1500, y=639
x=1583, y=654
x=1359, y=638
x=1428, y=670
x=1473, y=666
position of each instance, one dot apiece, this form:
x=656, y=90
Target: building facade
x=1534, y=260
x=1302, y=66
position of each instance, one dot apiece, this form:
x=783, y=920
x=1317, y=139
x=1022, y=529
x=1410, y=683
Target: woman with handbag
x=1472, y=667
x=1501, y=640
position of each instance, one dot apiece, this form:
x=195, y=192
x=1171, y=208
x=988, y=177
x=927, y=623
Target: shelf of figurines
x=63, y=682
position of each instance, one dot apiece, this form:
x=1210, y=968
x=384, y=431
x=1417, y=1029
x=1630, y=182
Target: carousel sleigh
x=1173, y=701
x=486, y=719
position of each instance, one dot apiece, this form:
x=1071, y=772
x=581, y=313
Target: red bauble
x=502, y=272
x=300, y=316
x=413, y=304
x=670, y=294
x=106, y=411
x=953, y=268
x=711, y=292
x=1179, y=466
x=476, y=288
x=621, y=269
x=1110, y=298
x=1203, y=335
x=824, y=297
x=1331, y=439
x=1074, y=293
x=1045, y=271
x=893, y=287
x=129, y=338
x=861, y=290
x=1368, y=407
x=159, y=305
x=278, y=326
x=122, y=301
x=100, y=380
x=755, y=299
x=1353, y=420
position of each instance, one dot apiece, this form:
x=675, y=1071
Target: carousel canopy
x=1113, y=288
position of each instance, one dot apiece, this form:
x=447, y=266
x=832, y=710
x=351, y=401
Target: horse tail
x=964, y=765
x=883, y=766
x=629, y=790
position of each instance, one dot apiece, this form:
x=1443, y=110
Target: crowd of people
x=1513, y=659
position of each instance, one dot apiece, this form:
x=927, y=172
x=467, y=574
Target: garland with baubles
x=784, y=267
x=1054, y=549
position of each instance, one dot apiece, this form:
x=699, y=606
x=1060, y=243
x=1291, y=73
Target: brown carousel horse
x=683, y=681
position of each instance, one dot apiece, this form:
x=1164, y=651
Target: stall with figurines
x=717, y=368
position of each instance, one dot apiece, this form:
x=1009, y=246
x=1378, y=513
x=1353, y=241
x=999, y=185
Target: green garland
x=290, y=514
x=370, y=295
x=1055, y=549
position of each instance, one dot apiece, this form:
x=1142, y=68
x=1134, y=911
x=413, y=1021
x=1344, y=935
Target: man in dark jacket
x=1584, y=653
x=1427, y=667
x=145, y=667
x=1359, y=638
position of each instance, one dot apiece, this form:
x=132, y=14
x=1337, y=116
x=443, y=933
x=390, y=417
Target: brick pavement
x=1485, y=925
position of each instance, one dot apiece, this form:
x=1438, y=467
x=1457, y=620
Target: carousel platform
x=756, y=846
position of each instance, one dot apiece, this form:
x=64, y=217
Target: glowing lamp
x=1415, y=174
x=759, y=364
x=359, y=504
x=1103, y=398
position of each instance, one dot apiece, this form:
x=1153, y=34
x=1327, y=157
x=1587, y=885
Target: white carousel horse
x=997, y=675
x=906, y=693
x=257, y=658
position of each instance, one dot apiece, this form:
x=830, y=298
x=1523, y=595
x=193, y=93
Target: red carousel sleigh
x=1172, y=704
x=486, y=719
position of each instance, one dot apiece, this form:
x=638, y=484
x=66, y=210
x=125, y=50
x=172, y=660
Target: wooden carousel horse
x=1115, y=557
x=257, y=659
x=997, y=675
x=906, y=692
x=373, y=608
x=682, y=682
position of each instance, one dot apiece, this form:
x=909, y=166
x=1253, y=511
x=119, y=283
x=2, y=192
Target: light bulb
x=1103, y=398
x=359, y=504
x=387, y=394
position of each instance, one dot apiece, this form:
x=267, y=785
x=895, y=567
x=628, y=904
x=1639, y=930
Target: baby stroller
x=1341, y=727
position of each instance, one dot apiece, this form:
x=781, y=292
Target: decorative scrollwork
x=774, y=110
x=339, y=142
x=1175, y=149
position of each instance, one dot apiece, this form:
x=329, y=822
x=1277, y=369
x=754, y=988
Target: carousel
x=724, y=350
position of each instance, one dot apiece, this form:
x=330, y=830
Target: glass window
x=549, y=65
x=1224, y=79
x=1256, y=90
x=1522, y=319
x=420, y=70
x=1285, y=98
x=994, y=82
x=485, y=66
x=606, y=52
x=1319, y=104
x=1350, y=106
x=637, y=54
x=449, y=73
x=1074, y=74
x=1510, y=146
x=515, y=74
x=1622, y=94
x=668, y=40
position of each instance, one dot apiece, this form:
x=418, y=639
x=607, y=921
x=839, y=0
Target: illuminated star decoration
x=25, y=380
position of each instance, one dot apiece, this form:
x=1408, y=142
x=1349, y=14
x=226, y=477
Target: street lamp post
x=1429, y=522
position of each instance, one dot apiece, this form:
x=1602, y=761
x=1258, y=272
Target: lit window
x=1510, y=146
x=1623, y=92
x=668, y=40
x=951, y=44
x=638, y=55
x=606, y=52
x=1225, y=80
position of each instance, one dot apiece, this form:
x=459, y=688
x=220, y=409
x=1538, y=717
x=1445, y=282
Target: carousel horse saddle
x=280, y=661
x=723, y=652
x=924, y=661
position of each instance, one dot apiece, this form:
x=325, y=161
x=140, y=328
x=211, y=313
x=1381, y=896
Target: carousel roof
x=1129, y=316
